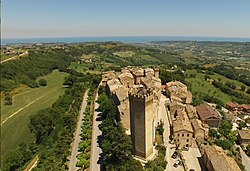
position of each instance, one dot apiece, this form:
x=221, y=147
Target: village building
x=182, y=131
x=232, y=106
x=216, y=160
x=236, y=107
x=244, y=137
x=175, y=108
x=231, y=116
x=177, y=91
x=191, y=112
x=106, y=76
x=127, y=79
x=245, y=108
x=200, y=130
x=208, y=115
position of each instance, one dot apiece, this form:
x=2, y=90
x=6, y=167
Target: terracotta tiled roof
x=219, y=160
x=205, y=111
x=196, y=123
x=232, y=105
x=245, y=106
x=191, y=111
x=182, y=123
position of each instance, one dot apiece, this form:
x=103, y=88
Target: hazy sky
x=80, y=18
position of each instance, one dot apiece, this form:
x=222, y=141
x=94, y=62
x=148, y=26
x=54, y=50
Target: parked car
x=185, y=148
x=177, y=163
x=174, y=155
x=171, y=142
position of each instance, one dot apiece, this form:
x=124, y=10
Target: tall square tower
x=141, y=121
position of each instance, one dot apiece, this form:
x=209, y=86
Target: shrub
x=8, y=100
x=42, y=82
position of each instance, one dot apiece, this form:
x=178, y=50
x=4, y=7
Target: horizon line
x=101, y=36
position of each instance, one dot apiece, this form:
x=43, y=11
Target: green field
x=15, y=118
x=201, y=86
x=125, y=53
x=168, y=58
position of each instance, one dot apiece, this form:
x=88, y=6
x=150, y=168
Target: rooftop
x=219, y=160
x=244, y=134
x=182, y=122
x=196, y=123
x=114, y=84
x=205, y=111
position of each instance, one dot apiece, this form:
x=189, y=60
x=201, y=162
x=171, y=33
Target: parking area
x=169, y=152
x=192, y=157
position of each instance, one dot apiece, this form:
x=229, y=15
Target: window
x=182, y=135
x=187, y=140
x=178, y=135
x=178, y=140
x=187, y=135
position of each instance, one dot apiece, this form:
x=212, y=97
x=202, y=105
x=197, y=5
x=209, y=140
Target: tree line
x=27, y=70
x=116, y=144
x=53, y=128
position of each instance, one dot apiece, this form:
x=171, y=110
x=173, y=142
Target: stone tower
x=141, y=121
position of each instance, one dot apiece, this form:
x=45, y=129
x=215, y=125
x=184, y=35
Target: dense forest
x=27, y=70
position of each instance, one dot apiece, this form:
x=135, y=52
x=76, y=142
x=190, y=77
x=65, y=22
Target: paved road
x=191, y=157
x=95, y=149
x=73, y=159
x=170, y=148
x=245, y=159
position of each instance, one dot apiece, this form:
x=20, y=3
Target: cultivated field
x=125, y=53
x=201, y=86
x=15, y=118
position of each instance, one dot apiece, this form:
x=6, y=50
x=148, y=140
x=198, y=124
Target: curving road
x=74, y=153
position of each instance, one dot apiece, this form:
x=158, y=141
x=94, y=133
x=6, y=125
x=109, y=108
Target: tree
x=248, y=90
x=225, y=127
x=42, y=82
x=243, y=88
x=248, y=150
x=242, y=124
x=8, y=99
x=225, y=144
x=232, y=137
x=213, y=133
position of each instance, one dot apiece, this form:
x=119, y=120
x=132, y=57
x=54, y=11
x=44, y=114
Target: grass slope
x=201, y=86
x=15, y=129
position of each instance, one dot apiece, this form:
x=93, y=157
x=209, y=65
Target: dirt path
x=73, y=159
x=19, y=110
x=32, y=164
x=15, y=57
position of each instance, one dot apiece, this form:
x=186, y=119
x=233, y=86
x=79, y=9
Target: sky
x=88, y=18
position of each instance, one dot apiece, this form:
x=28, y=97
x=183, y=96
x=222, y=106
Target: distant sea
x=127, y=39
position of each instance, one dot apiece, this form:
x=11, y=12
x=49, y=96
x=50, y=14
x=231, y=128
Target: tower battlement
x=141, y=92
